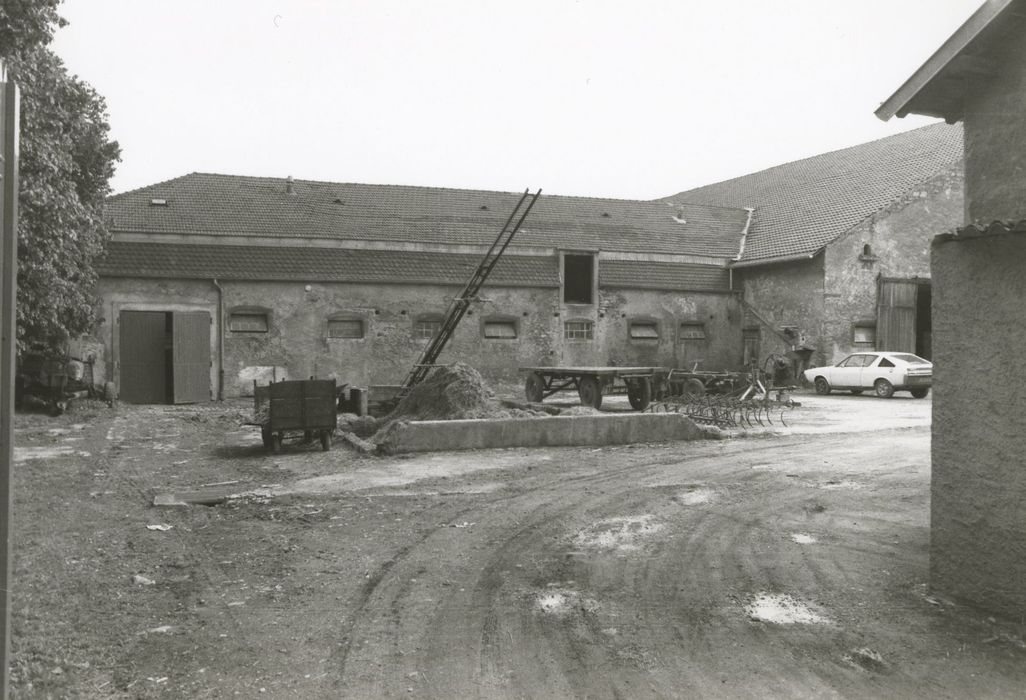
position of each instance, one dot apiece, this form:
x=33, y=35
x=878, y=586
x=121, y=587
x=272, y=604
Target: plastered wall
x=978, y=489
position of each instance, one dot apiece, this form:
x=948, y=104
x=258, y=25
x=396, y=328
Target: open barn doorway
x=164, y=357
x=903, y=320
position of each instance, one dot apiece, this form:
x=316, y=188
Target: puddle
x=554, y=603
x=846, y=484
x=781, y=610
x=696, y=497
x=802, y=538
x=23, y=454
x=622, y=534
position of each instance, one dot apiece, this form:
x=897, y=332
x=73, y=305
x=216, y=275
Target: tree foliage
x=67, y=160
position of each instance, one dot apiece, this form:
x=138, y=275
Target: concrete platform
x=557, y=431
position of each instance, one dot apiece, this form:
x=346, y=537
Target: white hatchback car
x=883, y=372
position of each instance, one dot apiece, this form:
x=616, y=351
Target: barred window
x=248, y=322
x=502, y=330
x=579, y=330
x=426, y=327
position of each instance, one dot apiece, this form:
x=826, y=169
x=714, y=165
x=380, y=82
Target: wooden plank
x=191, y=356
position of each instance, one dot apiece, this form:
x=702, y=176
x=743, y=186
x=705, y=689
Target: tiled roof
x=228, y=205
x=630, y=274
x=802, y=206
x=292, y=263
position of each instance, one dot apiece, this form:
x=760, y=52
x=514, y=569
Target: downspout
x=220, y=339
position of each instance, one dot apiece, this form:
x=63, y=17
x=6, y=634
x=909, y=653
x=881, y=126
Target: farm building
x=978, y=523
x=213, y=281
x=837, y=257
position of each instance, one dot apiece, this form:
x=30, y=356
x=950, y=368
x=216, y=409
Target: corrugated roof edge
x=977, y=230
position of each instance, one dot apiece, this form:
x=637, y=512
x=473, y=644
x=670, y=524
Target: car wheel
x=919, y=393
x=883, y=388
x=856, y=391
x=822, y=386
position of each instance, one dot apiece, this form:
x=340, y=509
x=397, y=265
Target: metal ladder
x=461, y=303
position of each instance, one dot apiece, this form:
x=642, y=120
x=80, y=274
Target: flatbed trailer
x=639, y=383
x=300, y=409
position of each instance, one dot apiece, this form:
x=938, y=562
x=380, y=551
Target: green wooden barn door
x=191, y=356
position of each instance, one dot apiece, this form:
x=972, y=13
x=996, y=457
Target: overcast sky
x=628, y=99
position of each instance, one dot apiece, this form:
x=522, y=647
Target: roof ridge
x=152, y=184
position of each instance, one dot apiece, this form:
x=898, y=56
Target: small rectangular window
x=644, y=330
x=578, y=279
x=426, y=328
x=248, y=323
x=692, y=331
x=865, y=335
x=579, y=330
x=500, y=329
x=345, y=328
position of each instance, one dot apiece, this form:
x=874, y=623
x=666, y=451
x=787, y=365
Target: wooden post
x=9, y=115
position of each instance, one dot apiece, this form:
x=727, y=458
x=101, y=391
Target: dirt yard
x=782, y=564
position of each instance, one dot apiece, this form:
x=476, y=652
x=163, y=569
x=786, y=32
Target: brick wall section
x=995, y=139
x=978, y=522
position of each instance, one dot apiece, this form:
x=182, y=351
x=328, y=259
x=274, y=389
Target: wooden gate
x=191, y=356
x=896, y=314
x=165, y=356
x=142, y=356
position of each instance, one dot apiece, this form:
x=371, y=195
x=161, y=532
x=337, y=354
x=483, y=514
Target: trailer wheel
x=276, y=443
x=265, y=435
x=590, y=391
x=325, y=440
x=534, y=388
x=693, y=387
x=639, y=393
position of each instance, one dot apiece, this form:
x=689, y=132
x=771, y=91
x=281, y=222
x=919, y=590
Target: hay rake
x=725, y=411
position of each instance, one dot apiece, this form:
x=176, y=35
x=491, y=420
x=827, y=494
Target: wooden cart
x=302, y=409
x=639, y=383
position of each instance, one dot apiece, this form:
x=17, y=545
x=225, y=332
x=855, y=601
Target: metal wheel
x=693, y=387
x=534, y=388
x=590, y=391
x=883, y=388
x=639, y=393
x=325, y=440
x=276, y=443
x=919, y=393
x=822, y=386
x=265, y=435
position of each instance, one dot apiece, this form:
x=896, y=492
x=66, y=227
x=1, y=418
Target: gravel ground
x=787, y=562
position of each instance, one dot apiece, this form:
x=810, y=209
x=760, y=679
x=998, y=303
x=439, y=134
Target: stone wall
x=995, y=139
x=786, y=294
x=978, y=490
x=899, y=238
x=297, y=344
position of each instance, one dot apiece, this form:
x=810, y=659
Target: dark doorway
x=578, y=279
x=164, y=357
x=924, y=321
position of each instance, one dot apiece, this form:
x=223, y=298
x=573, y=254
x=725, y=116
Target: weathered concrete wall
x=978, y=490
x=297, y=343
x=899, y=239
x=786, y=294
x=995, y=140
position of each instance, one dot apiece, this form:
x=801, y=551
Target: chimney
x=288, y=186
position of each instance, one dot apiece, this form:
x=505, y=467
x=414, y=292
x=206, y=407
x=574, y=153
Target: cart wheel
x=325, y=440
x=639, y=393
x=265, y=435
x=590, y=391
x=276, y=443
x=534, y=388
x=693, y=387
